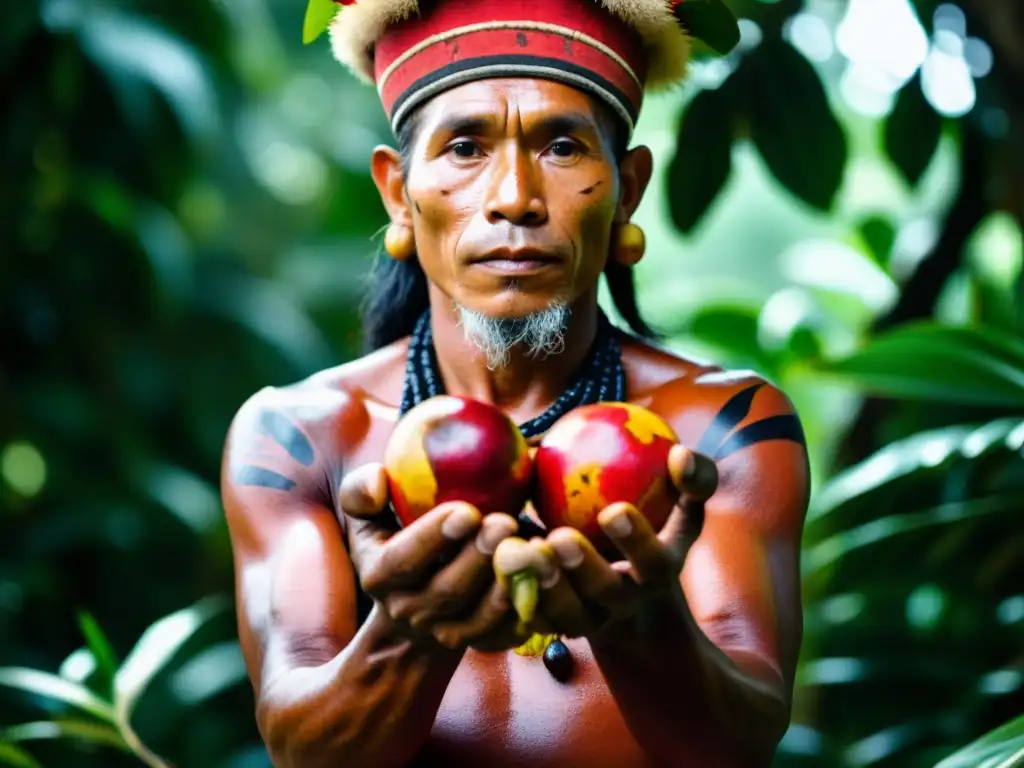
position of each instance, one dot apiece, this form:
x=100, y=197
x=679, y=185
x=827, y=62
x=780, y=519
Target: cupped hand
x=579, y=592
x=434, y=578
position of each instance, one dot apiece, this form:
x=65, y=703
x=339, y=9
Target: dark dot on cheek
x=445, y=192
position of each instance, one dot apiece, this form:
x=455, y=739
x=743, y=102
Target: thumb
x=693, y=474
x=364, y=491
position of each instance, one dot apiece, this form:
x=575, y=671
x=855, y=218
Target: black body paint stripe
x=732, y=413
x=783, y=427
x=288, y=436
x=264, y=478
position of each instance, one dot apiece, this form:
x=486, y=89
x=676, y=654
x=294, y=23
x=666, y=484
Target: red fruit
x=455, y=449
x=597, y=455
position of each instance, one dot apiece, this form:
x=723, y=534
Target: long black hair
x=397, y=291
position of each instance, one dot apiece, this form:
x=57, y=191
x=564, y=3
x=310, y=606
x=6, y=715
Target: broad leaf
x=1001, y=748
x=733, y=331
x=130, y=49
x=927, y=361
x=902, y=458
x=912, y=132
x=96, y=733
x=16, y=756
x=318, y=17
x=703, y=157
x=792, y=125
x=835, y=548
x=102, y=651
x=879, y=235
x=711, y=22
x=79, y=666
x=157, y=646
x=53, y=687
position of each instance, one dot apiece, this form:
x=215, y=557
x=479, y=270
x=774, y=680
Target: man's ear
x=386, y=169
x=634, y=175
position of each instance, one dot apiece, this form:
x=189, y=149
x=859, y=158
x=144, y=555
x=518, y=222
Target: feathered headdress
x=613, y=49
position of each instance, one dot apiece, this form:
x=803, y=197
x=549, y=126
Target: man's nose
x=516, y=195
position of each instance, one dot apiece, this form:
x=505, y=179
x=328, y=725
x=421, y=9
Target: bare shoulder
x=293, y=439
x=713, y=410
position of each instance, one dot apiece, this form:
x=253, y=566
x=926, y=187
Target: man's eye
x=564, y=148
x=464, y=149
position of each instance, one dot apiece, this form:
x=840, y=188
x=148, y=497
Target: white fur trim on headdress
x=355, y=29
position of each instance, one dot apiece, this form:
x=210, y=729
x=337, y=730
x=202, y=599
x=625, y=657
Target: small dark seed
x=528, y=529
x=558, y=660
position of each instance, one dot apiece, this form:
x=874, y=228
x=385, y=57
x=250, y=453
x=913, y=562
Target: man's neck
x=526, y=386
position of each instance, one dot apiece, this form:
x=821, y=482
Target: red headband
x=571, y=41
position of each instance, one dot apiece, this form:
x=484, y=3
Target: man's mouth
x=526, y=260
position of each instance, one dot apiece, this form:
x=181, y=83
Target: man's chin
x=537, y=333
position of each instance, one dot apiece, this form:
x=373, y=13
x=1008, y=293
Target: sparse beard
x=539, y=334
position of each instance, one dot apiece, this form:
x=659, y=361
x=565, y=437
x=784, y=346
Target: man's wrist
x=647, y=621
x=390, y=634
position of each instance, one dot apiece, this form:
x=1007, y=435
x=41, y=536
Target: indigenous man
x=509, y=196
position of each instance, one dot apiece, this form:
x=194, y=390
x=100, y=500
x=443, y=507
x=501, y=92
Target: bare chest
x=507, y=710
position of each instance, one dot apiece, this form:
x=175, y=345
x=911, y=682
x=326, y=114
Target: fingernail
x=570, y=555
x=549, y=575
x=690, y=468
x=619, y=526
x=459, y=524
x=493, y=532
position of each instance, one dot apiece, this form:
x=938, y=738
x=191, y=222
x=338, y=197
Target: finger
x=406, y=557
x=652, y=563
x=590, y=575
x=694, y=475
x=491, y=611
x=364, y=491
x=462, y=582
x=558, y=602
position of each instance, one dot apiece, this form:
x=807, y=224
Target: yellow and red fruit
x=451, y=448
x=597, y=455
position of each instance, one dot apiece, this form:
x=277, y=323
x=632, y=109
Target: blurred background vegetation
x=186, y=217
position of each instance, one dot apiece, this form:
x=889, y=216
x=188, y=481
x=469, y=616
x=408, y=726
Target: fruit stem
x=524, y=589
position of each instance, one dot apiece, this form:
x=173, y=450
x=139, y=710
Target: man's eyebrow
x=462, y=125
x=565, y=123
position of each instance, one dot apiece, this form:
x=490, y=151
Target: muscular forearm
x=684, y=699
x=373, y=704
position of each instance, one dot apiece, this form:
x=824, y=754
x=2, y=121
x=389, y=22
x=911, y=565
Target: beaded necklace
x=601, y=378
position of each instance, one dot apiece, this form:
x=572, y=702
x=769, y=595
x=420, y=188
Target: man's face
x=512, y=191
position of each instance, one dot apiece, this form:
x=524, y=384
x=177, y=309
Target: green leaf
x=731, y=329
x=318, y=17
x=16, y=756
x=99, y=645
x=157, y=646
x=879, y=236
x=912, y=132
x=703, y=157
x=53, y=687
x=927, y=361
x=792, y=125
x=899, y=459
x=131, y=50
x=709, y=21
x=835, y=548
x=1000, y=748
x=96, y=733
